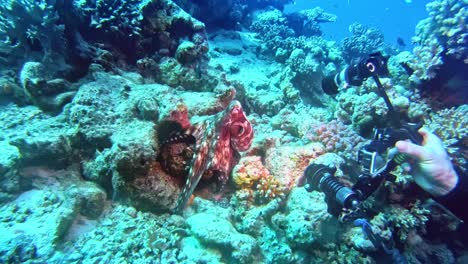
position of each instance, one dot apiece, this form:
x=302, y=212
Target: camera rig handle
x=376, y=169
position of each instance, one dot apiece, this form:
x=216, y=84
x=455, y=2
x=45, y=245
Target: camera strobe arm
x=384, y=95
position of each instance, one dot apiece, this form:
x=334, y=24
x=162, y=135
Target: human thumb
x=411, y=149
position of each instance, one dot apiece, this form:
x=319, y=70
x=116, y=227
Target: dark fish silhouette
x=401, y=42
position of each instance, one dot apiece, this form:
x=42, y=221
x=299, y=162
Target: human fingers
x=411, y=149
x=430, y=139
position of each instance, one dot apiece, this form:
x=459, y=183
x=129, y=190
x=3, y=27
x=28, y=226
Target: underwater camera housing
x=376, y=158
x=374, y=64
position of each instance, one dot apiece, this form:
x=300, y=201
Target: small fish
x=401, y=42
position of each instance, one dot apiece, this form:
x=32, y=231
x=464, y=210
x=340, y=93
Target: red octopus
x=215, y=143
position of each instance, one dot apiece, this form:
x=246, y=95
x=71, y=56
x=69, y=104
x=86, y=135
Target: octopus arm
x=200, y=163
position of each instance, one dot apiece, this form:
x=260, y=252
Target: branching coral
x=29, y=26
x=443, y=33
x=447, y=23
x=137, y=29
x=296, y=31
x=115, y=17
x=272, y=27
x=341, y=254
x=363, y=41
x=403, y=221
x=451, y=125
x=364, y=110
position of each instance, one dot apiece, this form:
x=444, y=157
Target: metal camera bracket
x=373, y=157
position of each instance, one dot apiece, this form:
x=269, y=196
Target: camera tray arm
x=393, y=115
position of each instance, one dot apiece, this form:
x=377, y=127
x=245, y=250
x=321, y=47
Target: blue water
x=396, y=18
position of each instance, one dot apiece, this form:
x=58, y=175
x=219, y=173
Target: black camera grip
x=412, y=132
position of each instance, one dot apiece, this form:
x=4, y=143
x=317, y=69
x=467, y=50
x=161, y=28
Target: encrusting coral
x=336, y=137
x=251, y=176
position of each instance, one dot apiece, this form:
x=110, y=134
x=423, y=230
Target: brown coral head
x=240, y=129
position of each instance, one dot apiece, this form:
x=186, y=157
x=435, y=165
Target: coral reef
x=427, y=59
x=67, y=37
x=287, y=162
x=39, y=138
x=364, y=111
x=119, y=235
x=48, y=94
x=451, y=126
x=121, y=155
x=118, y=155
x=248, y=172
x=293, y=121
x=336, y=137
x=251, y=176
x=169, y=71
x=400, y=221
x=363, y=41
x=222, y=234
x=140, y=29
x=306, y=220
x=37, y=221
x=227, y=14
x=441, y=54
x=446, y=24
x=307, y=22
x=30, y=30
x=307, y=56
x=111, y=112
x=10, y=183
x=119, y=19
x=279, y=31
x=272, y=27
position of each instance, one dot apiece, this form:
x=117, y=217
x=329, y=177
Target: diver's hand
x=433, y=170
